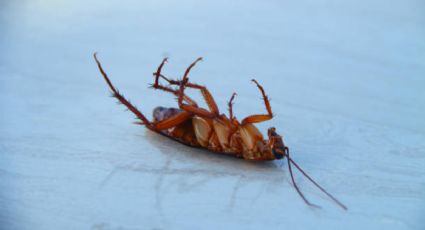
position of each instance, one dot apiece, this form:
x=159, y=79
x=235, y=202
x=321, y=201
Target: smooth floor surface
x=346, y=81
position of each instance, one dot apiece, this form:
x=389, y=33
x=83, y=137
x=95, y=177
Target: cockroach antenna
x=290, y=161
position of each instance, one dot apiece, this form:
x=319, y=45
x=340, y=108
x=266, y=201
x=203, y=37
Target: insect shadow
x=212, y=164
x=207, y=166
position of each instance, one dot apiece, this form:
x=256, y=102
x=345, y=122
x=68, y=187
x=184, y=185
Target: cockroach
x=194, y=126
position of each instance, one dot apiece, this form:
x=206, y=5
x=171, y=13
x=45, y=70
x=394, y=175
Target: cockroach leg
x=260, y=117
x=193, y=109
x=173, y=121
x=213, y=113
x=158, y=71
x=207, y=96
x=176, y=93
x=170, y=81
x=156, y=84
x=121, y=98
x=205, y=92
x=186, y=73
x=230, y=104
x=233, y=122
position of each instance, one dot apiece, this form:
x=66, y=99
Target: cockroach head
x=278, y=147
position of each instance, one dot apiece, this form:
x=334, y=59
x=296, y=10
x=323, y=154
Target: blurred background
x=346, y=79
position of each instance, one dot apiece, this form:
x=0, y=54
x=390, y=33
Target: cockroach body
x=198, y=127
x=222, y=136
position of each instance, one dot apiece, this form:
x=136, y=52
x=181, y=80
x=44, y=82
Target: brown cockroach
x=198, y=127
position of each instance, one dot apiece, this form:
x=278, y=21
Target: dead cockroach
x=197, y=127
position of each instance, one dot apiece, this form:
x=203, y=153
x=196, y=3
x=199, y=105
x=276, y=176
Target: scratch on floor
x=236, y=187
x=158, y=185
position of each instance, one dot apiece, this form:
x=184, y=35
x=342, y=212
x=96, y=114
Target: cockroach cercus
x=194, y=126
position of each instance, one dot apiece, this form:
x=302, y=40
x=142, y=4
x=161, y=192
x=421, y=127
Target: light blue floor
x=346, y=80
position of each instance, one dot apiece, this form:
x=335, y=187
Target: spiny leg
x=156, y=84
x=207, y=95
x=121, y=98
x=178, y=118
x=193, y=109
x=260, y=117
x=205, y=92
x=230, y=104
x=234, y=123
